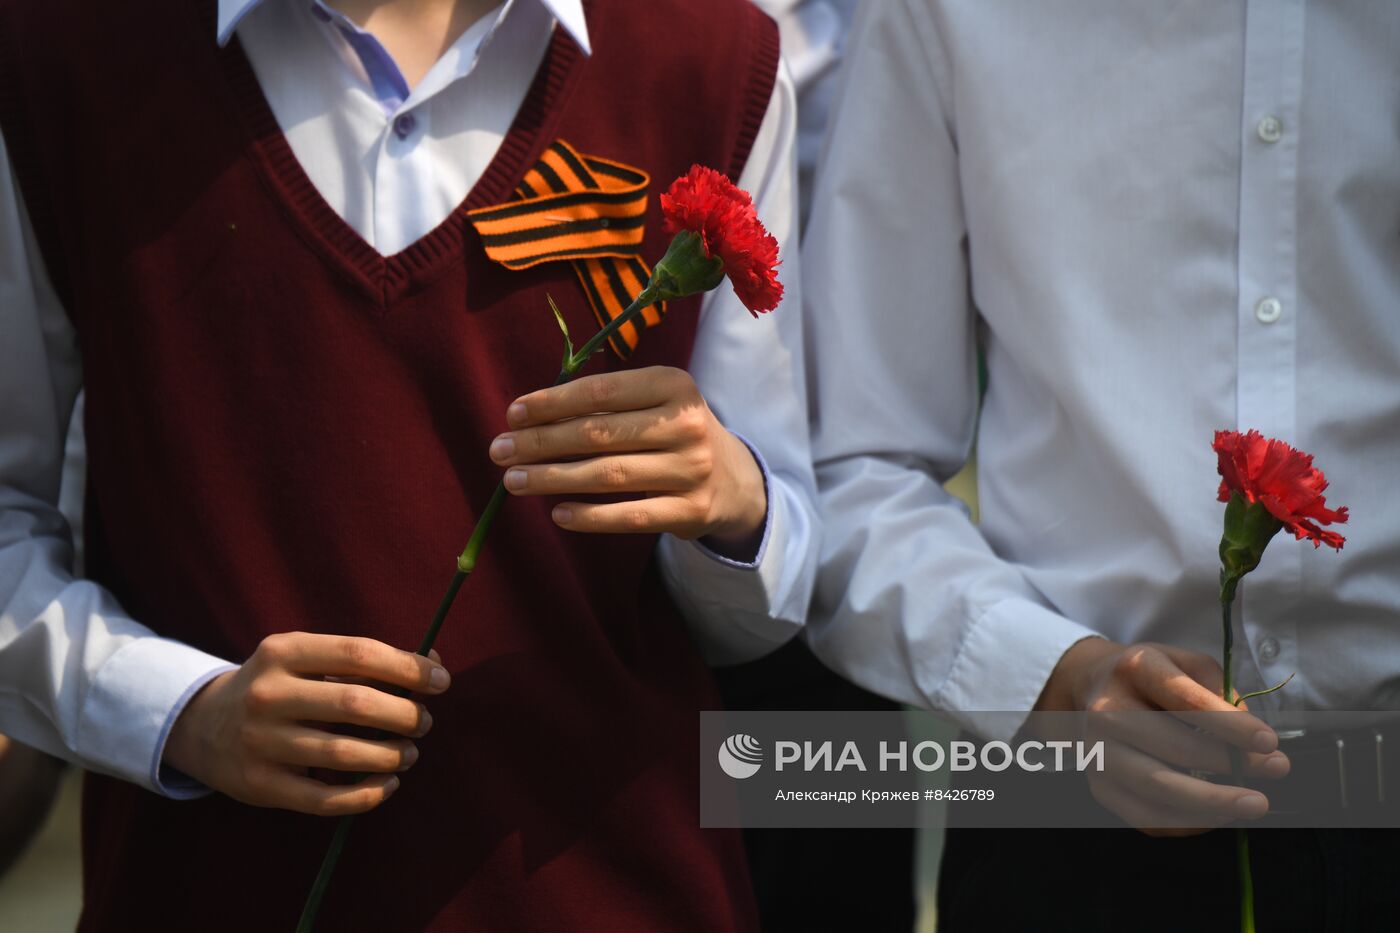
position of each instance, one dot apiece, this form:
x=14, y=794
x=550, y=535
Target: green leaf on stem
x=563, y=327
x=1259, y=693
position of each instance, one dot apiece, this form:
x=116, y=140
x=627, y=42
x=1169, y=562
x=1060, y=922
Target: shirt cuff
x=1003, y=665
x=131, y=705
x=729, y=603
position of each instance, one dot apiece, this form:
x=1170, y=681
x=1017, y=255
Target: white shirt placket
x=1268, y=305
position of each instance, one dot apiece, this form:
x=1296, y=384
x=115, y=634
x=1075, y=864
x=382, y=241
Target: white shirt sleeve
x=912, y=602
x=751, y=373
x=78, y=678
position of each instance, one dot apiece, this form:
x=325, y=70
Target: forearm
x=78, y=678
x=745, y=599
x=912, y=602
x=82, y=681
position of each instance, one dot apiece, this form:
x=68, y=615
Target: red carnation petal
x=1226, y=443
x=709, y=204
x=1318, y=536
x=1331, y=539
x=1281, y=477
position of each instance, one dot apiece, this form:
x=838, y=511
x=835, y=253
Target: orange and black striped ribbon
x=584, y=210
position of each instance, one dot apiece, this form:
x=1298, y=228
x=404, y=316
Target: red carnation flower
x=1283, y=479
x=709, y=204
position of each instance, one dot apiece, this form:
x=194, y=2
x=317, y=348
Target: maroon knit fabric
x=288, y=431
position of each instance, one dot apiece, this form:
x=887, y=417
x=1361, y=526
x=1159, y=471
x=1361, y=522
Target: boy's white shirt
x=78, y=677
x=1155, y=224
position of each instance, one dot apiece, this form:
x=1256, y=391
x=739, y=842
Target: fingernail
x=439, y=678
x=1251, y=806
x=563, y=516
x=425, y=722
x=410, y=755
x=1277, y=765
x=390, y=786
x=515, y=414
x=515, y=479
x=1265, y=741
x=503, y=448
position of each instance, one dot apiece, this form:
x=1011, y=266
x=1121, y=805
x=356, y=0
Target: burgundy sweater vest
x=288, y=431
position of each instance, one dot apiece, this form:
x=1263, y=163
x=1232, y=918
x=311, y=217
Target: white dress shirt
x=1158, y=219
x=80, y=679
x=814, y=36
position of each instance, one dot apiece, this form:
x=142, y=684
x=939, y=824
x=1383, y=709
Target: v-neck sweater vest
x=288, y=431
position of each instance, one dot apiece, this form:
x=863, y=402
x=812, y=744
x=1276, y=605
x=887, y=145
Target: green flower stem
x=1228, y=630
x=343, y=827
x=323, y=877
x=574, y=362
x=1246, y=880
x=466, y=563
x=1241, y=834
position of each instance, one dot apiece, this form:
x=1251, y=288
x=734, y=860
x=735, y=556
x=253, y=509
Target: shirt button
x=1270, y=128
x=404, y=125
x=1268, y=310
x=1268, y=649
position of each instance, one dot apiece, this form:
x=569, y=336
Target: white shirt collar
x=569, y=13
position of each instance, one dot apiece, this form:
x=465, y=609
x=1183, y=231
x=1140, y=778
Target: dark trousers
x=1311, y=881
x=821, y=879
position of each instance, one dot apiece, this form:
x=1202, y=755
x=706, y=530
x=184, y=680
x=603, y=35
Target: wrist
x=1070, y=683
x=187, y=747
x=739, y=529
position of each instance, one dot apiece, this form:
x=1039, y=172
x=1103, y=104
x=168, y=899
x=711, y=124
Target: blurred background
x=42, y=891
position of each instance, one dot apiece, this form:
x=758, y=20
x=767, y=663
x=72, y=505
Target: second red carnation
x=1271, y=472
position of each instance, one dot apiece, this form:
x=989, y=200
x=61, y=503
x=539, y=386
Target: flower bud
x=1249, y=527
x=686, y=269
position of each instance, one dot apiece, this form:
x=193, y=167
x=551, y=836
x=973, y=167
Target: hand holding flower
x=1145, y=780
x=645, y=431
x=254, y=732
